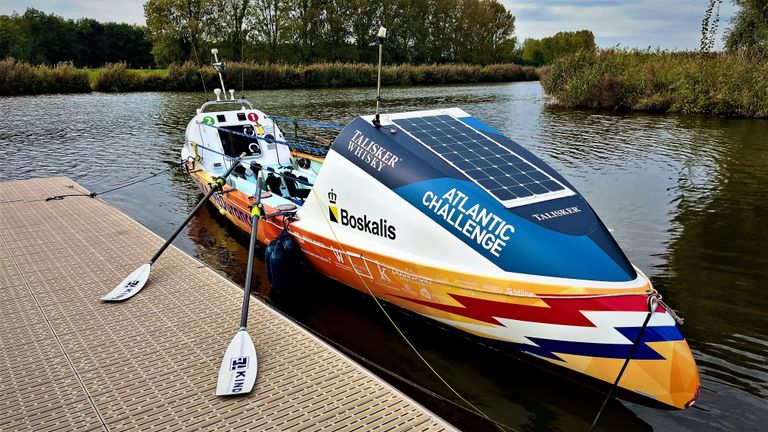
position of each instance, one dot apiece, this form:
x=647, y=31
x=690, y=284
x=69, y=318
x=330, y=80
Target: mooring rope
x=399, y=331
x=653, y=301
x=125, y=185
x=395, y=375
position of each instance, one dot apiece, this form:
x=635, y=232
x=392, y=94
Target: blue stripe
x=550, y=348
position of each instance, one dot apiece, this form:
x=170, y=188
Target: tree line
x=286, y=31
x=310, y=31
x=39, y=38
x=538, y=52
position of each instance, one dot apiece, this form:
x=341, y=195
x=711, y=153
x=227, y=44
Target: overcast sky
x=633, y=23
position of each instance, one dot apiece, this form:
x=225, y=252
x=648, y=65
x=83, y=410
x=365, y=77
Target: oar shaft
x=249, y=271
x=183, y=224
x=215, y=187
x=255, y=216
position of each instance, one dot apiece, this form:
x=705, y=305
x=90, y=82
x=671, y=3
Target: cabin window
x=243, y=140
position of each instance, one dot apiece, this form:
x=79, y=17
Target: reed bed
x=19, y=78
x=726, y=84
x=254, y=76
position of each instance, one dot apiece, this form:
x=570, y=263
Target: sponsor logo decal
x=362, y=223
x=471, y=220
x=556, y=213
x=239, y=365
x=232, y=210
x=370, y=152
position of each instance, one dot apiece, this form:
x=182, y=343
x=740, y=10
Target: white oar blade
x=239, y=367
x=130, y=286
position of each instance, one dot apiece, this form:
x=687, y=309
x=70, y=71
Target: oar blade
x=239, y=367
x=130, y=286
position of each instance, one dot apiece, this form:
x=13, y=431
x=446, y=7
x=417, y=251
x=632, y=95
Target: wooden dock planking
x=71, y=362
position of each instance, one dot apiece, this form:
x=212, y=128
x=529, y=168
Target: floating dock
x=70, y=362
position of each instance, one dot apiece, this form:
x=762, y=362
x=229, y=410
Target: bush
x=733, y=84
x=19, y=78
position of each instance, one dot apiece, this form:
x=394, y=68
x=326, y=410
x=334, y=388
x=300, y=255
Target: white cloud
x=128, y=11
x=638, y=23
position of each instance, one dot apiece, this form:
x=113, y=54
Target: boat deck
x=70, y=362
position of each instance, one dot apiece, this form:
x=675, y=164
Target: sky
x=668, y=24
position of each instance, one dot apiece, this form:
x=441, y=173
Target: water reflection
x=684, y=196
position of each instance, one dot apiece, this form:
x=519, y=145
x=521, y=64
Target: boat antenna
x=199, y=68
x=220, y=67
x=380, y=36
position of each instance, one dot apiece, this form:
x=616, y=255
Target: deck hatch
x=507, y=176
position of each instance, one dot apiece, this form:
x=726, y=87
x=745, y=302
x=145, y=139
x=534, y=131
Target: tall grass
x=116, y=77
x=26, y=79
x=729, y=84
x=19, y=78
x=254, y=76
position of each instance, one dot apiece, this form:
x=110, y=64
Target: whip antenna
x=380, y=36
x=220, y=67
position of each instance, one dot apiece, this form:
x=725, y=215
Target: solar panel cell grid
x=494, y=167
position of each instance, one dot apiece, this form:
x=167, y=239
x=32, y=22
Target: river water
x=684, y=196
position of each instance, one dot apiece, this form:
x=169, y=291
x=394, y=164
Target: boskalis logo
x=362, y=223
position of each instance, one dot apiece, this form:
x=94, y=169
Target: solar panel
x=504, y=174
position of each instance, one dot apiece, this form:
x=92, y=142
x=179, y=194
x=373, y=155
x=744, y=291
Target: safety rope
x=125, y=185
x=308, y=123
x=399, y=331
x=297, y=146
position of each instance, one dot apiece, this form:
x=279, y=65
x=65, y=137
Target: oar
x=131, y=285
x=237, y=373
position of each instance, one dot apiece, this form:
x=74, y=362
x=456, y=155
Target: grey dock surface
x=70, y=362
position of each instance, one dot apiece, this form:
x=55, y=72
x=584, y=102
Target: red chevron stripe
x=566, y=311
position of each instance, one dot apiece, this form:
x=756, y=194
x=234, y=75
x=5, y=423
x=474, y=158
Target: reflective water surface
x=684, y=196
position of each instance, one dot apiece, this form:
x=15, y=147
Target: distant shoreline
x=19, y=78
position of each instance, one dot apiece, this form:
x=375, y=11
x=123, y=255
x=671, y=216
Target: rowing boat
x=440, y=214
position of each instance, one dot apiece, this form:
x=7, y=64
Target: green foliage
x=331, y=31
x=186, y=76
x=539, y=52
x=19, y=78
x=731, y=84
x=749, y=27
x=39, y=38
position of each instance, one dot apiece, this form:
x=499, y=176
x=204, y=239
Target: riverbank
x=18, y=78
x=726, y=84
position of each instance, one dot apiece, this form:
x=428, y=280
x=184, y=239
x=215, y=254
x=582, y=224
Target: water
x=684, y=196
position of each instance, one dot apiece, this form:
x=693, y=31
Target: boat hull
x=587, y=330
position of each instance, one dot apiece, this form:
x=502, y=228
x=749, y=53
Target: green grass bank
x=17, y=78
x=726, y=84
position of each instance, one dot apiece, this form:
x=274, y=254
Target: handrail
x=226, y=102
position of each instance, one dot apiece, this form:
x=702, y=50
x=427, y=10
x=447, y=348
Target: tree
x=178, y=28
x=268, y=20
x=227, y=26
x=749, y=27
x=540, y=52
x=363, y=27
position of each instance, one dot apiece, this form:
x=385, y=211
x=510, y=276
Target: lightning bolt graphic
x=597, y=327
